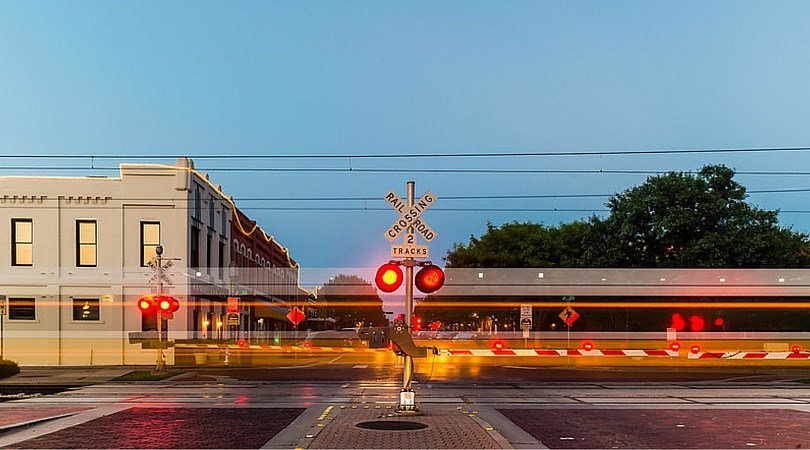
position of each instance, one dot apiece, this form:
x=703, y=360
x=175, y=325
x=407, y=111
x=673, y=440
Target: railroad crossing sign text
x=410, y=216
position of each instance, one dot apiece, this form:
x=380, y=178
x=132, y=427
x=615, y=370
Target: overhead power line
x=231, y=156
x=513, y=171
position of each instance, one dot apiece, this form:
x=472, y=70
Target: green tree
x=691, y=220
x=521, y=245
x=351, y=300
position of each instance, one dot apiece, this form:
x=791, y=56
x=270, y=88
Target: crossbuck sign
x=410, y=216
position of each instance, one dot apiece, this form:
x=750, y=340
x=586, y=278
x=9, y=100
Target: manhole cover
x=391, y=425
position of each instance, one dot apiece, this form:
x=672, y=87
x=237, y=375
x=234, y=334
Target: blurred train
x=620, y=300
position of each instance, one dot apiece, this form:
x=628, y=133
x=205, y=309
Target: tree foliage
x=672, y=220
x=685, y=220
x=351, y=300
x=521, y=245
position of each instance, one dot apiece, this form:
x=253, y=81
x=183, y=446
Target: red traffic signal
x=164, y=303
x=429, y=279
x=389, y=277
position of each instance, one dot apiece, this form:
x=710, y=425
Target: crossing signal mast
x=163, y=306
x=390, y=276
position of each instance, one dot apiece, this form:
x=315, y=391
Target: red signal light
x=498, y=345
x=242, y=343
x=389, y=277
x=695, y=349
x=147, y=304
x=588, y=346
x=677, y=322
x=167, y=303
x=429, y=279
x=797, y=349
x=696, y=323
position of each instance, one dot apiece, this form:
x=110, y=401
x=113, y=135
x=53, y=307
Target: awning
x=270, y=311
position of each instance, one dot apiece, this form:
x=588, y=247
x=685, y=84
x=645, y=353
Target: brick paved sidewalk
x=13, y=416
x=171, y=428
x=446, y=428
x=584, y=428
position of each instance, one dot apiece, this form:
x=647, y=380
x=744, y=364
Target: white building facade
x=75, y=254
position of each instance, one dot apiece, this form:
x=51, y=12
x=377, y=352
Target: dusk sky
x=333, y=83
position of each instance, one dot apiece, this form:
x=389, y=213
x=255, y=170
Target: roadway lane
x=487, y=371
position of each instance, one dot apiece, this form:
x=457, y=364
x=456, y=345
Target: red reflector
x=675, y=346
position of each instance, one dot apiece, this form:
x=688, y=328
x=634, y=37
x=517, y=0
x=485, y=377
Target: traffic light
x=429, y=279
x=389, y=277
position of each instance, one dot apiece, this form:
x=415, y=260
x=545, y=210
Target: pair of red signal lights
x=153, y=303
x=429, y=278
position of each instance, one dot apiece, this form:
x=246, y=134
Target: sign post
x=2, y=314
x=525, y=321
x=410, y=225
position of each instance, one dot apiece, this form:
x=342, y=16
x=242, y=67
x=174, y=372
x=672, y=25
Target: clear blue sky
x=167, y=79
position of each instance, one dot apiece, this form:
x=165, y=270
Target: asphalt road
x=492, y=370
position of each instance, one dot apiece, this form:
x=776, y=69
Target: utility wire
x=443, y=198
x=230, y=156
x=422, y=170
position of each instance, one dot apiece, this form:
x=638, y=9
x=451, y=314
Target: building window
x=150, y=239
x=194, y=260
x=86, y=309
x=22, y=242
x=211, y=212
x=197, y=202
x=208, y=250
x=221, y=256
x=22, y=309
x=225, y=215
x=86, y=243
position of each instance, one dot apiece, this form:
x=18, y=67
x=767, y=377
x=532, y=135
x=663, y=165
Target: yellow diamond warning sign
x=569, y=316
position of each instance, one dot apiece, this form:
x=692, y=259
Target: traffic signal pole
x=407, y=398
x=161, y=364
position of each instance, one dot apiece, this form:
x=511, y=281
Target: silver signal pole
x=407, y=400
x=161, y=364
